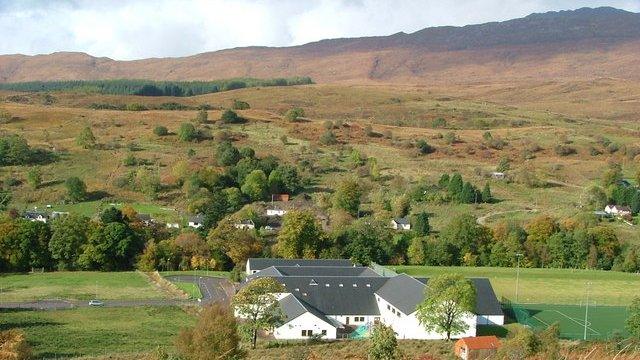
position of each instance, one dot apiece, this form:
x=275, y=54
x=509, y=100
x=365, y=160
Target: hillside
x=581, y=44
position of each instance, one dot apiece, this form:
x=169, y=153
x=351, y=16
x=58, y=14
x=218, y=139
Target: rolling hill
x=581, y=44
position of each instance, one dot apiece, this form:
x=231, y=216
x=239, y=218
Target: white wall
x=343, y=319
x=307, y=321
x=408, y=326
x=490, y=319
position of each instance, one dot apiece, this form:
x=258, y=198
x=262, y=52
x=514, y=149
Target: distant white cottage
x=401, y=224
x=276, y=212
x=617, y=210
x=334, y=299
x=197, y=221
x=245, y=225
x=36, y=216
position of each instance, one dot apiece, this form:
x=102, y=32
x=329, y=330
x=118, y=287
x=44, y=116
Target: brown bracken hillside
x=581, y=44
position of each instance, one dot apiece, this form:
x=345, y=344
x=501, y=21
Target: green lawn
x=191, y=289
x=80, y=285
x=97, y=331
x=223, y=274
x=90, y=208
x=548, y=286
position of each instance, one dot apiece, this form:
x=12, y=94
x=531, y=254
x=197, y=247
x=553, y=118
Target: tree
x=401, y=205
x=367, y=241
x=215, y=336
x=294, y=114
x=14, y=345
x=76, y=189
x=284, y=179
x=257, y=303
x=111, y=215
x=202, y=117
x=230, y=117
x=383, y=344
x=14, y=150
x=255, y=185
x=347, y=196
x=187, y=132
x=416, y=251
x=540, y=228
x=486, y=194
x=633, y=321
x=24, y=245
x=86, y=139
x=455, y=185
x=161, y=131
x=112, y=247
x=421, y=223
x=612, y=175
x=300, y=236
x=448, y=301
x=227, y=154
x=34, y=177
x=70, y=234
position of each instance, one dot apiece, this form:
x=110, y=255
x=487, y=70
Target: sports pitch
x=603, y=322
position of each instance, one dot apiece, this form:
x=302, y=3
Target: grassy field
x=190, y=289
x=547, y=286
x=79, y=285
x=196, y=273
x=97, y=331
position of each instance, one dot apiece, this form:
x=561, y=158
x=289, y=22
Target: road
x=212, y=288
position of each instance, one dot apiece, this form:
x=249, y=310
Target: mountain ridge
x=570, y=43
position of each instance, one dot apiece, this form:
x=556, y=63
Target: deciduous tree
x=215, y=336
x=257, y=303
x=383, y=344
x=448, y=301
x=300, y=237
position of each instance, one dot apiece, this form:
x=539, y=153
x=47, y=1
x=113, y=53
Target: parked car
x=96, y=303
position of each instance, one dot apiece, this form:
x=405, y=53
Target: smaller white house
x=245, y=225
x=36, y=216
x=276, y=212
x=197, y=221
x=173, y=226
x=59, y=214
x=617, y=210
x=498, y=175
x=401, y=224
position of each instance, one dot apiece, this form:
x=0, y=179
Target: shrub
x=136, y=107
x=564, y=150
x=328, y=138
x=294, y=114
x=368, y=130
x=5, y=117
x=284, y=139
x=187, y=132
x=230, y=117
x=161, y=131
x=439, y=123
x=450, y=137
x=423, y=147
x=240, y=105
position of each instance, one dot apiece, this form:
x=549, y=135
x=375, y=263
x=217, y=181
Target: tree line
x=152, y=88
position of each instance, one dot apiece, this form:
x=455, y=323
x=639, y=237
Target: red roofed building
x=478, y=347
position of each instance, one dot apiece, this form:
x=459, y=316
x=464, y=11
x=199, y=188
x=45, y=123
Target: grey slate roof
x=198, y=219
x=403, y=291
x=486, y=301
x=263, y=263
x=317, y=271
x=293, y=307
x=335, y=299
x=401, y=221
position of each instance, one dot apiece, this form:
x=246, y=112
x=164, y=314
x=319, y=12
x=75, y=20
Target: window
x=388, y=307
x=358, y=319
x=324, y=332
x=376, y=320
x=307, y=332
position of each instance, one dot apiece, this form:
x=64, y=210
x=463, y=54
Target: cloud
x=161, y=28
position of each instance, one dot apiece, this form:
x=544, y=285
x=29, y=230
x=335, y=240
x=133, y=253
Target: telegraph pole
x=586, y=311
x=518, y=255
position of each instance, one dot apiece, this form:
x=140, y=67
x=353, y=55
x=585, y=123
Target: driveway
x=213, y=289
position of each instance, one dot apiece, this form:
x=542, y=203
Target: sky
x=136, y=29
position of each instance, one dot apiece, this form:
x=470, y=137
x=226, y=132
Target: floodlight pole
x=518, y=255
x=586, y=312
